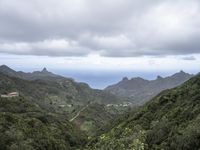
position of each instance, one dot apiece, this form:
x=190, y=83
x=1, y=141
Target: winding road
x=78, y=113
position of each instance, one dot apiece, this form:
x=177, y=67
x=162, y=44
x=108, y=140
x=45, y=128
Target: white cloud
x=113, y=42
x=59, y=47
x=121, y=28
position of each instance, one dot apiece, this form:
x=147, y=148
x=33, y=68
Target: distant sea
x=101, y=79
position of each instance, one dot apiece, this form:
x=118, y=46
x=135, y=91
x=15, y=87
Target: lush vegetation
x=94, y=117
x=170, y=121
x=38, y=118
x=25, y=126
x=58, y=94
x=53, y=93
x=50, y=103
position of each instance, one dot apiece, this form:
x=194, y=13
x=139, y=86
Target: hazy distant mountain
x=8, y=71
x=44, y=74
x=138, y=90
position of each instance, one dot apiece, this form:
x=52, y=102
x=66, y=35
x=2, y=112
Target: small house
x=12, y=94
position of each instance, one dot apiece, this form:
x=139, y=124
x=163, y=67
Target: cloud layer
x=112, y=28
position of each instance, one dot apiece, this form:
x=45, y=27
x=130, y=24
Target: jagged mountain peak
x=125, y=79
x=159, y=77
x=140, y=90
x=8, y=71
x=4, y=67
x=44, y=69
x=181, y=74
x=43, y=74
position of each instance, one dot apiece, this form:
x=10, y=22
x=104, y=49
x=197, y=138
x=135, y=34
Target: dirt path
x=78, y=113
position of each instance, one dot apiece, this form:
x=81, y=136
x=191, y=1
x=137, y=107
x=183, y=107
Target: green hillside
x=92, y=117
x=62, y=114
x=170, y=121
x=25, y=126
x=64, y=96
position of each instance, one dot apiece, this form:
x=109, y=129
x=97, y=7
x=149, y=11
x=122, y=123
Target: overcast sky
x=101, y=34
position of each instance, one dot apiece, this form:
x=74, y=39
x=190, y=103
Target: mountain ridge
x=44, y=74
x=138, y=90
x=61, y=95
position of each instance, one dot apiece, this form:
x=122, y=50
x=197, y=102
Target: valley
x=64, y=114
x=169, y=121
x=99, y=75
x=57, y=94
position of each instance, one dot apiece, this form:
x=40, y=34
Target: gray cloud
x=189, y=58
x=113, y=28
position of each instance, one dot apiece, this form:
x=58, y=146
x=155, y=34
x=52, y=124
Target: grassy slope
x=170, y=121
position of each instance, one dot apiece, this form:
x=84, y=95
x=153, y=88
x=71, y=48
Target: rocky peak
x=159, y=77
x=182, y=72
x=125, y=79
x=44, y=70
x=4, y=67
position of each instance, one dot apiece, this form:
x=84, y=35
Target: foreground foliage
x=24, y=126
